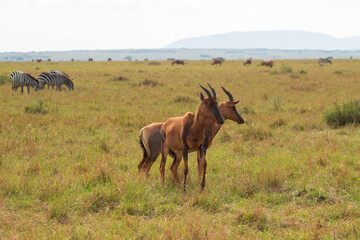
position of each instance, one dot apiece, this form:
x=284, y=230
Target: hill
x=289, y=40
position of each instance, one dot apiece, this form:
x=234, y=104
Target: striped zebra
x=21, y=79
x=59, y=72
x=324, y=60
x=53, y=79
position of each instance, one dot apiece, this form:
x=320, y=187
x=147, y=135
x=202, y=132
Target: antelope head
x=228, y=109
x=209, y=105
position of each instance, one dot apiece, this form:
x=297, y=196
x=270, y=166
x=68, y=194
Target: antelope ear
x=201, y=97
x=236, y=102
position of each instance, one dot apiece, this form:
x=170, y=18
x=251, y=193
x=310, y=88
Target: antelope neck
x=199, y=122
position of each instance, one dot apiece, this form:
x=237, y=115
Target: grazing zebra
x=324, y=60
x=53, y=79
x=59, y=72
x=21, y=79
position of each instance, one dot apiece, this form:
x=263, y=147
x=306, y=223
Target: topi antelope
x=248, y=61
x=268, y=63
x=182, y=135
x=216, y=61
x=150, y=139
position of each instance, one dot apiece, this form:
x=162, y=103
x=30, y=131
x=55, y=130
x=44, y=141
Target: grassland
x=68, y=160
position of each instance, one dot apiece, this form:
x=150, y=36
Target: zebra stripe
x=52, y=79
x=59, y=72
x=324, y=60
x=21, y=79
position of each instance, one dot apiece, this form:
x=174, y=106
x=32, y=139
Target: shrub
x=287, y=69
x=348, y=113
x=120, y=79
x=150, y=83
x=278, y=123
x=277, y=104
x=36, y=108
x=3, y=79
x=181, y=99
x=154, y=63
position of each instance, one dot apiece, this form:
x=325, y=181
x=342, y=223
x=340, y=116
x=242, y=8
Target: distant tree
x=128, y=58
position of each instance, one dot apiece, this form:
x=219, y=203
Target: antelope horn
x=228, y=93
x=213, y=91
x=207, y=91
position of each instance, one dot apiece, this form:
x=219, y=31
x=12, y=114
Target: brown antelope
x=268, y=63
x=248, y=61
x=182, y=135
x=216, y=61
x=178, y=62
x=150, y=139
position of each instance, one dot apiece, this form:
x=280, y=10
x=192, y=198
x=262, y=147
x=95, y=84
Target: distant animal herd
x=58, y=78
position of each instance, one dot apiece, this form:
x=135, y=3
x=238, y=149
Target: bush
x=181, y=99
x=348, y=113
x=154, y=63
x=120, y=79
x=36, y=108
x=3, y=79
x=287, y=69
x=150, y=83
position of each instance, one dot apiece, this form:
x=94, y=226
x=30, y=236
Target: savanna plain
x=68, y=160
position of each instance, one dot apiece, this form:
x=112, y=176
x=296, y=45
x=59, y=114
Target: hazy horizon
x=66, y=25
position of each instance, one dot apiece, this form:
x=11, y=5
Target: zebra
x=59, y=72
x=324, y=60
x=21, y=79
x=53, y=79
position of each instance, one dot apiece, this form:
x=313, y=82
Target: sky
x=58, y=25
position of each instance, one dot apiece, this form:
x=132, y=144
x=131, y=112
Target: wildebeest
x=91, y=60
x=49, y=60
x=324, y=60
x=178, y=62
x=109, y=59
x=268, y=63
x=39, y=60
x=248, y=61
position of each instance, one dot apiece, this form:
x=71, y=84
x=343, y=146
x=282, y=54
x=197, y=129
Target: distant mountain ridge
x=286, y=40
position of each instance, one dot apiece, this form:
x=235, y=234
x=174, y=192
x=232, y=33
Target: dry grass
x=71, y=171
